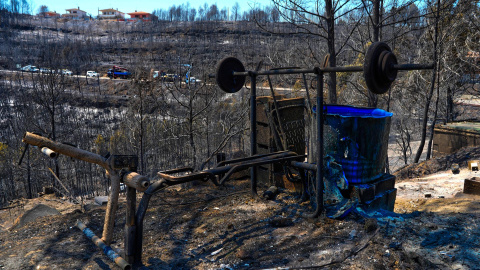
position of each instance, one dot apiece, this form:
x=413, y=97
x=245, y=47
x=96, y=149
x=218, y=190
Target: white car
x=46, y=70
x=195, y=80
x=29, y=68
x=91, y=73
x=67, y=72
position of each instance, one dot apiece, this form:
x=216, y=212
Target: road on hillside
x=73, y=76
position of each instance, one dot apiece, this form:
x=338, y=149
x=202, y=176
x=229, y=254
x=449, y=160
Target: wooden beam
x=65, y=149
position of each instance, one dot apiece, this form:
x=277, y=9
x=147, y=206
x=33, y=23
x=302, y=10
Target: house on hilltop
x=49, y=14
x=75, y=14
x=110, y=14
x=140, y=16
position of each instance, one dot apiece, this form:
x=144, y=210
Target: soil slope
x=206, y=227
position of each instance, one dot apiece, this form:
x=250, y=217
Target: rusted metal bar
x=228, y=170
x=111, y=254
x=136, y=181
x=140, y=215
x=307, y=92
x=319, y=172
x=328, y=69
x=303, y=165
x=175, y=180
x=179, y=170
x=299, y=71
x=252, y=164
x=283, y=140
x=412, y=66
x=231, y=161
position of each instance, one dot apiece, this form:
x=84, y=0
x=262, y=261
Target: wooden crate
x=472, y=186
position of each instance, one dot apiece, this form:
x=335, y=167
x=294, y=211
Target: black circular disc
x=224, y=76
x=377, y=80
x=388, y=61
x=379, y=68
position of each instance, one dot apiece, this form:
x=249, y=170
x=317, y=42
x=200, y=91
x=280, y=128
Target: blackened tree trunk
x=432, y=87
x=432, y=126
x=332, y=82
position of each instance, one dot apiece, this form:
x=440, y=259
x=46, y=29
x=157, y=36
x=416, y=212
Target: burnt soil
x=206, y=227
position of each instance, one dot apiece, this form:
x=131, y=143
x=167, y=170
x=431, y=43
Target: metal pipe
x=240, y=167
x=412, y=66
x=140, y=215
x=303, y=165
x=307, y=92
x=253, y=132
x=282, y=145
x=223, y=163
x=112, y=255
x=320, y=122
x=49, y=152
x=319, y=141
x=328, y=69
x=272, y=72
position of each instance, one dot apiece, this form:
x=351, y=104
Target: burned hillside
x=238, y=144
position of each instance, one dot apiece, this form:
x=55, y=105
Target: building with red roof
x=140, y=15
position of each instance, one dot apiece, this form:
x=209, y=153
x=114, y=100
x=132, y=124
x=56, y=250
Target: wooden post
x=112, y=206
x=78, y=153
x=130, y=228
x=136, y=181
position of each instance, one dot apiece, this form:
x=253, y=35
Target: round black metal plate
x=224, y=76
x=388, y=61
x=379, y=74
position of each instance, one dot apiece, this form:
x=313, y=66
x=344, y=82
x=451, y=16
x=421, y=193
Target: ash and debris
x=205, y=227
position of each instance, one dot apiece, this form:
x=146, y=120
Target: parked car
x=92, y=73
x=195, y=80
x=158, y=74
x=29, y=68
x=46, y=70
x=119, y=72
x=67, y=72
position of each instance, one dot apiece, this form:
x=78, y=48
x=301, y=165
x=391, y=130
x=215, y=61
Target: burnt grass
x=206, y=227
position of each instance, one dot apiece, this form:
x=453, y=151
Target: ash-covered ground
x=206, y=227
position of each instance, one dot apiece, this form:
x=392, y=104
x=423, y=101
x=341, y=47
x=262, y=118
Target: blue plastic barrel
x=357, y=138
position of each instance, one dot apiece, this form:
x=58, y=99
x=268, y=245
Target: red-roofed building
x=140, y=15
x=49, y=14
